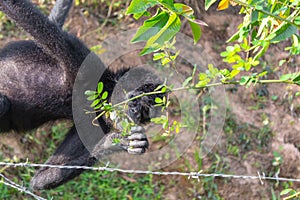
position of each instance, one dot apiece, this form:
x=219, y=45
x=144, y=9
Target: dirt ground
x=270, y=122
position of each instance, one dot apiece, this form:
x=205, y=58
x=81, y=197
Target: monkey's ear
x=71, y=152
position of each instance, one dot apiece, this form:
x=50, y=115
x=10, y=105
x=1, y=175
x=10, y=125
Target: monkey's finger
x=137, y=129
x=136, y=150
x=137, y=136
x=137, y=144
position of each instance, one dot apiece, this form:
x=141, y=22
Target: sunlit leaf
x=186, y=81
x=286, y=77
x=208, y=3
x=140, y=6
x=104, y=95
x=100, y=87
x=286, y=191
x=284, y=32
x=165, y=34
x=92, y=97
x=169, y=4
x=165, y=61
x=151, y=27
x=244, y=80
x=96, y=102
x=139, y=15
x=224, y=4
x=158, y=100
x=196, y=30
x=158, y=56
x=183, y=9
x=90, y=93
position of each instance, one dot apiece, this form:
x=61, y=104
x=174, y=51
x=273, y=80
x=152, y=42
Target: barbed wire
x=193, y=175
x=10, y=183
x=174, y=173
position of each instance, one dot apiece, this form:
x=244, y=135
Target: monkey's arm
x=4, y=108
x=72, y=152
x=60, y=12
x=4, y=105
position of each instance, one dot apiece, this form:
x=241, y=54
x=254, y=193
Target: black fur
x=36, y=82
x=140, y=110
x=60, y=11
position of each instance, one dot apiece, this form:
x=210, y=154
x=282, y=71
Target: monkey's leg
x=71, y=152
x=4, y=105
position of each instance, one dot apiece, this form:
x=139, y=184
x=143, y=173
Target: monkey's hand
x=134, y=143
x=138, y=142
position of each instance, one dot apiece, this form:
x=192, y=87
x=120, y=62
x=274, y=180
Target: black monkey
x=36, y=82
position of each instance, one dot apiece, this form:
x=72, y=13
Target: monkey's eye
x=130, y=96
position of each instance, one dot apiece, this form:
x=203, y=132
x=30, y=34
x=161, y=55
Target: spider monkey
x=36, y=82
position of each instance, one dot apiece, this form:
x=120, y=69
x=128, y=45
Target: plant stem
x=193, y=88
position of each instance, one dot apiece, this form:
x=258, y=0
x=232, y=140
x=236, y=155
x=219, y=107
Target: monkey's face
x=139, y=109
x=142, y=109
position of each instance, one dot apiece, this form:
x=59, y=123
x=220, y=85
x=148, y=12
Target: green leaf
x=286, y=77
x=168, y=4
x=139, y=15
x=158, y=100
x=234, y=72
x=158, y=56
x=234, y=37
x=297, y=20
x=151, y=27
x=196, y=30
x=165, y=61
x=284, y=32
x=202, y=76
x=90, y=93
x=98, y=106
x=164, y=89
x=100, y=87
x=140, y=6
x=96, y=102
x=244, y=80
x=92, y=97
x=183, y=9
x=214, y=71
x=208, y=3
x=286, y=191
x=165, y=34
x=186, y=81
x=296, y=78
x=107, y=107
x=104, y=95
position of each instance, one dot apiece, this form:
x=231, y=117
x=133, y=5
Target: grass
x=89, y=185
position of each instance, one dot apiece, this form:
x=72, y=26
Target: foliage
x=160, y=29
x=265, y=23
